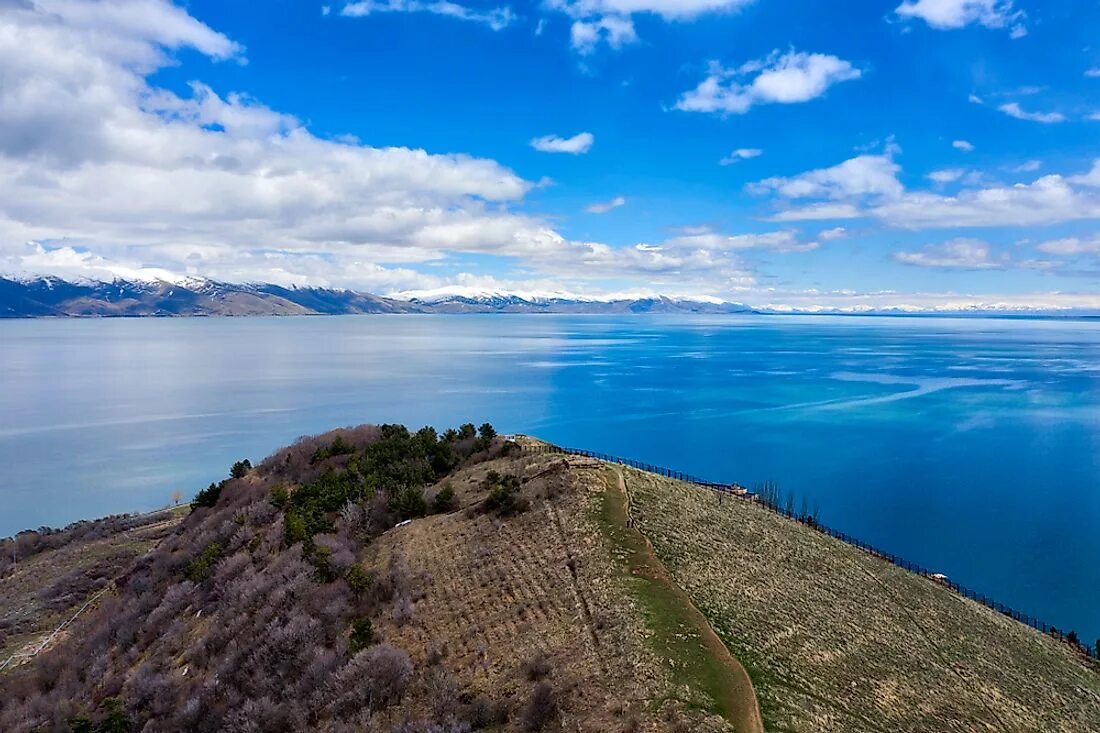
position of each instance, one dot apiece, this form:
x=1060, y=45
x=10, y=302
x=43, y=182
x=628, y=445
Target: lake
x=970, y=446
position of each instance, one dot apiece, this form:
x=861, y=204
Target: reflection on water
x=970, y=446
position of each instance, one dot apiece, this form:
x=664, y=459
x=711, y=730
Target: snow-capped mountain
x=53, y=296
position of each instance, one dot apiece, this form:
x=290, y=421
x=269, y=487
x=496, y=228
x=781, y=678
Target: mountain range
x=49, y=296
x=52, y=296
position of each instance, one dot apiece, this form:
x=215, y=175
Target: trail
x=739, y=698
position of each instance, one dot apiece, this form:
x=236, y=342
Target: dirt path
x=739, y=698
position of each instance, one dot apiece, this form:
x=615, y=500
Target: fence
x=740, y=492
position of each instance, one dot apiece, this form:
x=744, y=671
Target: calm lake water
x=969, y=446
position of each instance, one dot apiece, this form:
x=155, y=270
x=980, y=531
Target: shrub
x=535, y=668
x=387, y=671
x=362, y=634
x=541, y=709
x=338, y=447
x=280, y=496
x=445, y=500
x=409, y=503
x=202, y=566
x=358, y=579
x=504, y=498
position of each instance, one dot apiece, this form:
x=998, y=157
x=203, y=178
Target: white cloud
x=605, y=206
x=962, y=145
x=868, y=185
x=496, y=18
x=952, y=14
x=960, y=254
x=1012, y=109
x=818, y=212
x=863, y=175
x=830, y=234
x=781, y=78
x=615, y=31
x=1028, y=166
x=1093, y=73
x=612, y=21
x=946, y=175
x=577, y=145
x=741, y=154
x=1048, y=200
x=1071, y=246
x=667, y=9
x=707, y=240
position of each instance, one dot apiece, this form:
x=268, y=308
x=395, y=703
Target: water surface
x=969, y=446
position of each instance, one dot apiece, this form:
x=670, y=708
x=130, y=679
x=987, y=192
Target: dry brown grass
x=838, y=640
x=491, y=594
x=47, y=588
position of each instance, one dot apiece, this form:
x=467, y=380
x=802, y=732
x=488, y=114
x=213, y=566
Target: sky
x=780, y=153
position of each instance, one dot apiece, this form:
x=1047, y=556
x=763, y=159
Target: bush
x=409, y=503
x=504, y=498
x=338, y=447
x=535, y=668
x=445, y=500
x=358, y=579
x=542, y=708
x=387, y=671
x=362, y=634
x=202, y=566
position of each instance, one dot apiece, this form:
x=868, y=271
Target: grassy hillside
x=375, y=579
x=838, y=640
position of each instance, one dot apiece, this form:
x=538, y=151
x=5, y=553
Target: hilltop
x=383, y=580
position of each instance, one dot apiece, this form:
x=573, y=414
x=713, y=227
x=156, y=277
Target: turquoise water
x=969, y=446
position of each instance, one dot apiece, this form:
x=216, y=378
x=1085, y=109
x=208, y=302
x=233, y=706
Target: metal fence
x=737, y=491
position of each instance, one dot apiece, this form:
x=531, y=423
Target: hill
x=381, y=580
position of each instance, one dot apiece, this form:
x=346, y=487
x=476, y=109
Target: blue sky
x=928, y=153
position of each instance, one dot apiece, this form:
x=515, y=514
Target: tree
x=487, y=431
x=208, y=497
x=240, y=469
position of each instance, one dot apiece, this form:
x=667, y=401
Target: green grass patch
x=696, y=675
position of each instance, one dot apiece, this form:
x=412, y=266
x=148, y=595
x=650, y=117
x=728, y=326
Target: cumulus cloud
x=829, y=235
x=946, y=175
x=1071, y=246
x=780, y=78
x=605, y=206
x=957, y=254
x=741, y=154
x=667, y=9
x=614, y=30
x=868, y=186
x=101, y=169
x=577, y=145
x=953, y=14
x=1048, y=200
x=496, y=18
x=611, y=22
x=863, y=175
x=1012, y=109
x=962, y=145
